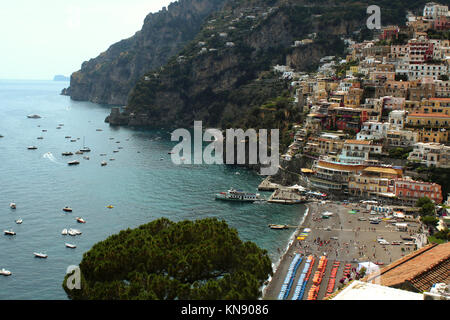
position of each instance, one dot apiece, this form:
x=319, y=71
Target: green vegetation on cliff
x=203, y=259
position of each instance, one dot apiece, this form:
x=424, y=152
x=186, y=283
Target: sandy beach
x=345, y=237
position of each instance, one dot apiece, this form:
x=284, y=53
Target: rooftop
x=366, y=142
x=358, y=290
x=421, y=268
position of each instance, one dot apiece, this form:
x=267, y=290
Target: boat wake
x=51, y=157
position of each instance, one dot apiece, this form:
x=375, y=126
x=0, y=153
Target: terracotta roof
x=431, y=115
x=358, y=142
x=421, y=268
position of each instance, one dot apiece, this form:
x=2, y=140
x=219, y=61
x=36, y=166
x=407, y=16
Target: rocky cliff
x=109, y=78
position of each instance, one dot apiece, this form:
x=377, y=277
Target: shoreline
x=289, y=246
x=346, y=237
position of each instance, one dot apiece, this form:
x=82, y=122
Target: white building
x=373, y=130
x=419, y=71
x=431, y=154
x=433, y=10
x=397, y=119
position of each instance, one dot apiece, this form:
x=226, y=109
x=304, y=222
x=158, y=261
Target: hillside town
x=388, y=94
x=373, y=121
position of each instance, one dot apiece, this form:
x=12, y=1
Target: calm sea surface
x=139, y=185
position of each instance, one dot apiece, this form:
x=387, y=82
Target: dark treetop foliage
x=203, y=259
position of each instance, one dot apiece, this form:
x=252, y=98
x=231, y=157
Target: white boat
x=80, y=220
x=9, y=232
x=67, y=209
x=33, y=116
x=104, y=163
x=12, y=205
x=64, y=232
x=74, y=232
x=73, y=163
x=78, y=152
x=40, y=255
x=72, y=246
x=5, y=272
x=19, y=221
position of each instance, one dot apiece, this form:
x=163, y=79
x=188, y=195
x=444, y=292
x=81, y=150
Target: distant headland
x=60, y=77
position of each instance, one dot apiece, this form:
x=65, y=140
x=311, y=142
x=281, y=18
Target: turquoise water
x=139, y=185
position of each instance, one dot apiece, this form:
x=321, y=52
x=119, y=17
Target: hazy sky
x=39, y=39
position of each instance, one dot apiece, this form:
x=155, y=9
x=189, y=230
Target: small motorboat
x=86, y=158
x=67, y=209
x=44, y=130
x=69, y=245
x=110, y=207
x=5, y=272
x=66, y=154
x=12, y=205
x=85, y=149
x=102, y=154
x=32, y=148
x=98, y=130
x=40, y=138
x=112, y=159
x=64, y=232
x=61, y=124
x=278, y=226
x=74, y=232
x=117, y=141
x=73, y=163
x=80, y=220
x=120, y=148
x=19, y=221
x=9, y=233
x=104, y=163
x=78, y=152
x=67, y=137
x=73, y=140
x=115, y=151
x=33, y=116
x=40, y=255
x=161, y=159
x=58, y=127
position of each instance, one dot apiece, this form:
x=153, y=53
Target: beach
x=342, y=237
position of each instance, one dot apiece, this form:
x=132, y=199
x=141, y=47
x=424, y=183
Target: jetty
x=266, y=185
x=286, y=196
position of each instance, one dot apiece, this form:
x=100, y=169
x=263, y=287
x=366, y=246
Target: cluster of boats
x=41, y=255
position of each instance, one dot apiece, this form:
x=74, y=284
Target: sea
x=141, y=183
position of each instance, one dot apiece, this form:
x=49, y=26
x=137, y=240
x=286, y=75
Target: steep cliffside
x=221, y=75
x=110, y=77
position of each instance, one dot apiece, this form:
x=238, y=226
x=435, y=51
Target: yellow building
x=435, y=105
x=438, y=135
x=428, y=120
x=373, y=181
x=353, y=98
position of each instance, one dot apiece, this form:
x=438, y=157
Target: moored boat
x=66, y=154
x=12, y=205
x=238, y=195
x=64, y=232
x=32, y=148
x=9, y=232
x=278, y=226
x=5, y=272
x=19, y=221
x=67, y=209
x=80, y=220
x=69, y=245
x=73, y=163
x=33, y=116
x=103, y=163
x=40, y=255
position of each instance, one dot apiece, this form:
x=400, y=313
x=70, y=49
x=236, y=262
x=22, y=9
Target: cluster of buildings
x=391, y=92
